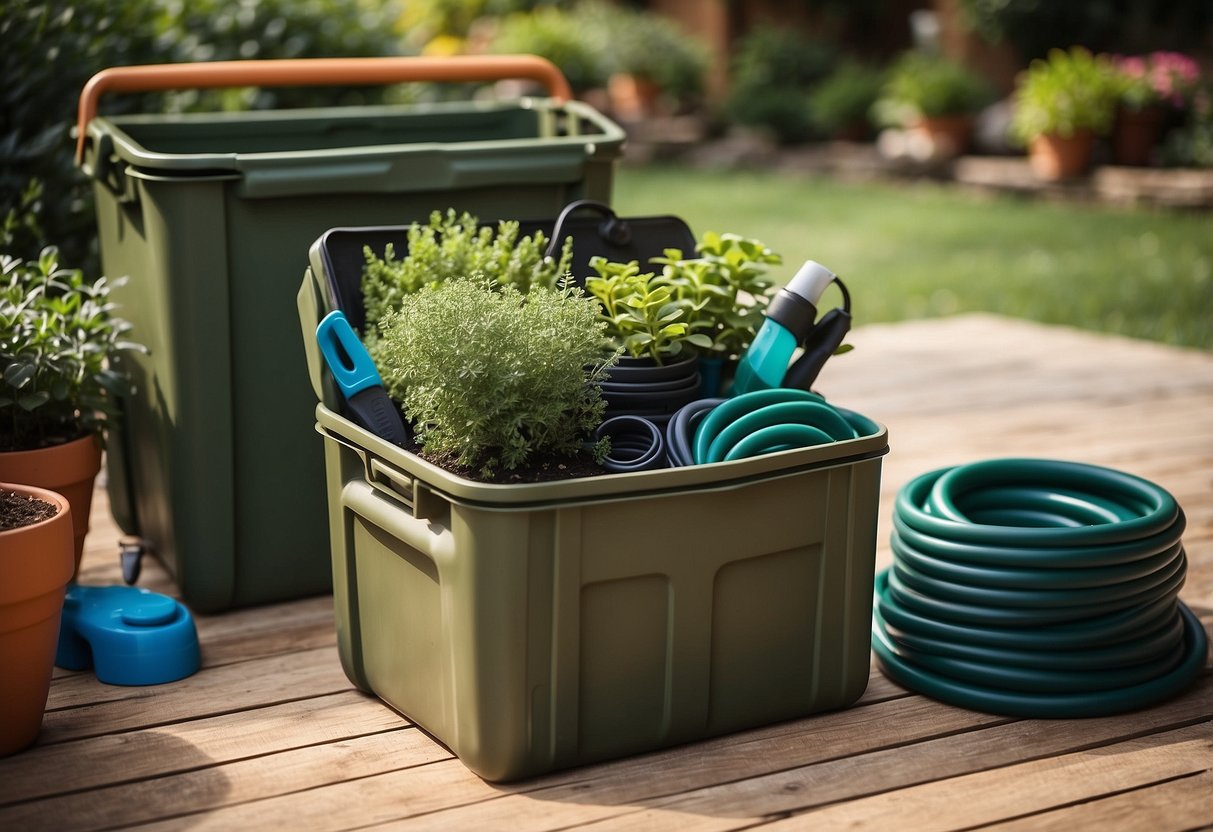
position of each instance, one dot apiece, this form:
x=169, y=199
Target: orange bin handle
x=304, y=72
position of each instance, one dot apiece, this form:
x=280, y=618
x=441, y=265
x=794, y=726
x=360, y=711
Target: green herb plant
x=58, y=334
x=725, y=290
x=641, y=316
x=493, y=379
x=924, y=85
x=1069, y=92
x=454, y=245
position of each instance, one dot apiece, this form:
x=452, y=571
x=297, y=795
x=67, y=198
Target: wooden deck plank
x=1017, y=790
x=233, y=687
x=68, y=767
x=271, y=735
x=1170, y=806
x=244, y=781
x=749, y=798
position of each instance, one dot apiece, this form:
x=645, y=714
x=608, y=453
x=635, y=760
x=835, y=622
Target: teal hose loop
x=1153, y=641
x=929, y=503
x=1037, y=588
x=828, y=423
x=1053, y=556
x=1037, y=597
x=1112, y=629
x=766, y=440
x=763, y=420
x=1022, y=578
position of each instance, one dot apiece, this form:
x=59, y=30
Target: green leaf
x=18, y=374
x=33, y=401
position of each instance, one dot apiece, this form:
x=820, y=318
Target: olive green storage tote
x=537, y=626
x=211, y=215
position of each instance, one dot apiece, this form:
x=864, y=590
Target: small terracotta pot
x=632, y=97
x=949, y=135
x=68, y=469
x=35, y=567
x=1135, y=135
x=1055, y=157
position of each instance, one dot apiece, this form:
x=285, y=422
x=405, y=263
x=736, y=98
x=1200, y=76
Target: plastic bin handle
x=306, y=72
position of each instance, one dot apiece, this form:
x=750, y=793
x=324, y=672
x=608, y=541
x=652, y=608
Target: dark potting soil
x=559, y=468
x=18, y=510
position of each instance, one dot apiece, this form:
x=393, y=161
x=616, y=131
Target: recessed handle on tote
x=313, y=72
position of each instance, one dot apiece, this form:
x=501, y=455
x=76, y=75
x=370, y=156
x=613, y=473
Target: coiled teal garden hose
x=1037, y=588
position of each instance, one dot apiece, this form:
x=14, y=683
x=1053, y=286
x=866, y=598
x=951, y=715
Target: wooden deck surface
x=270, y=734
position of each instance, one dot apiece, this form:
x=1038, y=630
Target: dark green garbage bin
x=211, y=216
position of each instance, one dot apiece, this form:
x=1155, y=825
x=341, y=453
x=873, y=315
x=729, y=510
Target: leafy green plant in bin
x=494, y=379
x=726, y=289
x=58, y=335
x=642, y=317
x=455, y=245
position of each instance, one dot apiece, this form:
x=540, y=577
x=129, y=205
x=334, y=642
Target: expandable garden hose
x=1037, y=588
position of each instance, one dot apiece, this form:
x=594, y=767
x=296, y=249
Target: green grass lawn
x=919, y=250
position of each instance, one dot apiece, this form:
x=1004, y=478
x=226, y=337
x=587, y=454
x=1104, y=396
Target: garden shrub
x=774, y=72
x=53, y=48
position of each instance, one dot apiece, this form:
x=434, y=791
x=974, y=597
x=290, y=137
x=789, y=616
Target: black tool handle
x=373, y=409
x=819, y=345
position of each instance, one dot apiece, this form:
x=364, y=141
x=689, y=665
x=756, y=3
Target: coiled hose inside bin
x=1037, y=588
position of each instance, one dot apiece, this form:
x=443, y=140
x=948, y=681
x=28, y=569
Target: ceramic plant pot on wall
x=35, y=566
x=633, y=97
x=68, y=469
x=1135, y=135
x=949, y=136
x=1054, y=157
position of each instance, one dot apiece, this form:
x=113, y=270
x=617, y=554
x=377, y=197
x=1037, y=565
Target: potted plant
x=1150, y=87
x=1061, y=104
x=518, y=389
x=726, y=290
x=650, y=64
x=645, y=321
x=36, y=563
x=58, y=334
x=931, y=95
x=841, y=104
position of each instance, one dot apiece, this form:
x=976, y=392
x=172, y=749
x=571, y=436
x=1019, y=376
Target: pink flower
x=1134, y=67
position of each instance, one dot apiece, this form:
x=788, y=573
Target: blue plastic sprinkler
x=791, y=321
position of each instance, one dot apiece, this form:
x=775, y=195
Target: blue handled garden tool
x=359, y=380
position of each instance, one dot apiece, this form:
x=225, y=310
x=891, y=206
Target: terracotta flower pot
x=68, y=469
x=35, y=567
x=632, y=97
x=1135, y=135
x=1055, y=157
x=949, y=135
